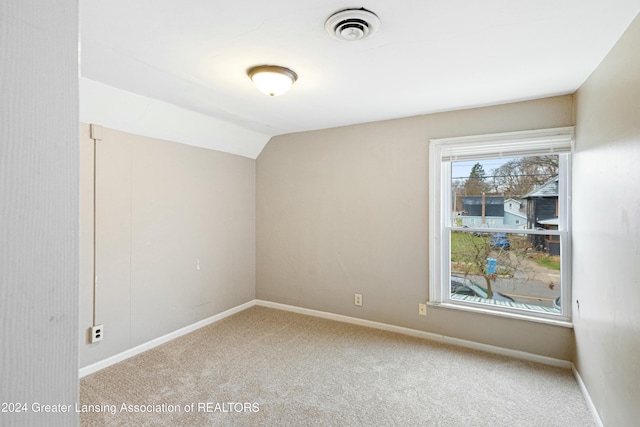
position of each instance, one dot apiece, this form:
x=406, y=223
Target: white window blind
x=505, y=145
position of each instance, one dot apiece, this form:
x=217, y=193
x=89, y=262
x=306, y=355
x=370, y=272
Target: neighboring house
x=493, y=206
x=472, y=214
x=512, y=220
x=476, y=221
x=514, y=206
x=497, y=212
x=513, y=214
x=542, y=213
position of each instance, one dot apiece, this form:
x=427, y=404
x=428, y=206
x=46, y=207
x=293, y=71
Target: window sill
x=510, y=315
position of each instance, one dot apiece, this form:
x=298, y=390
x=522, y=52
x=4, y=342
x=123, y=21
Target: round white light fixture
x=352, y=24
x=272, y=80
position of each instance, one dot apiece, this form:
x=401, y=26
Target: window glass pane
x=519, y=193
x=500, y=203
x=505, y=269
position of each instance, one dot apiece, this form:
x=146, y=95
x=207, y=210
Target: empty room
x=320, y=213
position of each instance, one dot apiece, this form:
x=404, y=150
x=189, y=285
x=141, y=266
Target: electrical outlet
x=96, y=333
x=358, y=300
x=422, y=309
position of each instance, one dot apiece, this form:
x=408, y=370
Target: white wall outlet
x=422, y=309
x=96, y=333
x=358, y=300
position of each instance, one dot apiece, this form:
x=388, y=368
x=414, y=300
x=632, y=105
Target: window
x=483, y=259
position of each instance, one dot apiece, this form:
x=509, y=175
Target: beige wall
x=606, y=233
x=345, y=210
x=162, y=206
x=38, y=209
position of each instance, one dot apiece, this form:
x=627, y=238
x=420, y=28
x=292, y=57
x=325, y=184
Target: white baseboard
x=95, y=367
x=445, y=339
x=587, y=397
x=420, y=334
x=90, y=369
x=87, y=370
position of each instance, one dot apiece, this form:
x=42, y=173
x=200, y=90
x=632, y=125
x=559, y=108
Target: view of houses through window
x=500, y=223
x=504, y=241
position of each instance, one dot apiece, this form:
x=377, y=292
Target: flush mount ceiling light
x=352, y=24
x=272, y=80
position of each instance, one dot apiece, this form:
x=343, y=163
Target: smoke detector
x=352, y=24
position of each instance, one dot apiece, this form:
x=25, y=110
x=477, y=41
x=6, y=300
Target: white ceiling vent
x=352, y=24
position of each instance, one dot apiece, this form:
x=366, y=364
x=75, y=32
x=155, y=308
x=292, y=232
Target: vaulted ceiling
x=163, y=60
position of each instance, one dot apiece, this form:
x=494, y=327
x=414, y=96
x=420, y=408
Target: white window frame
x=444, y=151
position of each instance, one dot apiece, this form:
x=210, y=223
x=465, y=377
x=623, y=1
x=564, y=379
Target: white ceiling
x=427, y=56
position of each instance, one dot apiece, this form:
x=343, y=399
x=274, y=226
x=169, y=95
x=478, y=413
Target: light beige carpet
x=265, y=367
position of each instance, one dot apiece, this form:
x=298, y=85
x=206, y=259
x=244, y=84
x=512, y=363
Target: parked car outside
x=465, y=286
x=499, y=241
